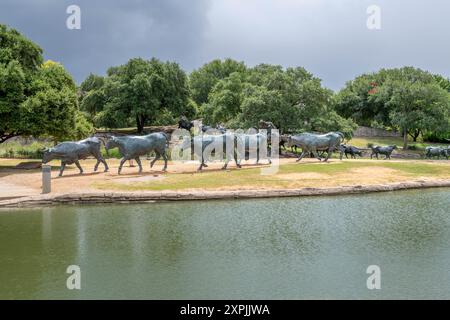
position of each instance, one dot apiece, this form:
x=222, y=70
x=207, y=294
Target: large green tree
x=408, y=99
x=416, y=107
x=140, y=91
x=36, y=98
x=52, y=109
x=293, y=99
x=203, y=80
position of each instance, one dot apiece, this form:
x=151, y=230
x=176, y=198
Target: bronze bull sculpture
x=70, y=152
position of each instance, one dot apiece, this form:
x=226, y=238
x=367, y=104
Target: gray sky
x=327, y=37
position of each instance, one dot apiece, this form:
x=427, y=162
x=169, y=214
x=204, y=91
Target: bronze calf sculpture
x=350, y=150
x=437, y=152
x=386, y=151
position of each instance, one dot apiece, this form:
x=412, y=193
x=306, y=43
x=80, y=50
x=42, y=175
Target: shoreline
x=162, y=196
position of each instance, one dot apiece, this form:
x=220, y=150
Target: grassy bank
x=21, y=150
x=360, y=172
x=309, y=173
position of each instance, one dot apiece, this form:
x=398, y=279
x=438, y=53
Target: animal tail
x=167, y=139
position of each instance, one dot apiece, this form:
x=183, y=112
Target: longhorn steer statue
x=132, y=147
x=437, y=152
x=311, y=143
x=184, y=123
x=387, y=151
x=251, y=144
x=70, y=152
x=204, y=145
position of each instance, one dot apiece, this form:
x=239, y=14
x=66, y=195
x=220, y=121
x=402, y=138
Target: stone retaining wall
x=142, y=197
x=374, y=132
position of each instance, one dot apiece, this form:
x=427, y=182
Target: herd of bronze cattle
x=232, y=145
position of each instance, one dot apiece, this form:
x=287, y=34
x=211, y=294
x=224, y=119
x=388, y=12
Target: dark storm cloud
x=328, y=37
x=111, y=31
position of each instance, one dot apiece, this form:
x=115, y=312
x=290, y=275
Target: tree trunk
x=416, y=135
x=405, y=139
x=140, y=122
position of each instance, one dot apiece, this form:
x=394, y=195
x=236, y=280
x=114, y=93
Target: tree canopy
x=293, y=99
x=205, y=78
x=408, y=99
x=36, y=98
x=140, y=92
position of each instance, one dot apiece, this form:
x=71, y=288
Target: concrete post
x=46, y=178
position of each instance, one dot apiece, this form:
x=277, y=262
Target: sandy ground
x=19, y=183
x=14, y=182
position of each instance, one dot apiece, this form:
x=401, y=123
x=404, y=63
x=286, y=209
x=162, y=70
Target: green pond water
x=296, y=248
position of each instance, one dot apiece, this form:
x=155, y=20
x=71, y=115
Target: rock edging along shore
x=152, y=196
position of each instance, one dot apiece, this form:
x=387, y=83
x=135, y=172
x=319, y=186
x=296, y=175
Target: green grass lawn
x=17, y=150
x=362, y=142
x=291, y=176
x=306, y=174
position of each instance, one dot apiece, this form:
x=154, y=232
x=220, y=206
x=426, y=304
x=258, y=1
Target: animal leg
x=329, y=152
x=138, y=161
x=202, y=163
x=158, y=155
x=105, y=164
x=121, y=164
x=225, y=165
x=61, y=170
x=165, y=161
x=304, y=152
x=77, y=163
x=316, y=155
x=100, y=160
x=238, y=163
x=96, y=165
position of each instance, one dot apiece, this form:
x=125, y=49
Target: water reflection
x=257, y=249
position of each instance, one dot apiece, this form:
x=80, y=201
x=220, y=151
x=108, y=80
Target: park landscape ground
x=309, y=173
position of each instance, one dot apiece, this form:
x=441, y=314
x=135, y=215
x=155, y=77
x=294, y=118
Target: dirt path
x=12, y=190
x=20, y=183
x=14, y=182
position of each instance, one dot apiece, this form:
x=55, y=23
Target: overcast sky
x=327, y=37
